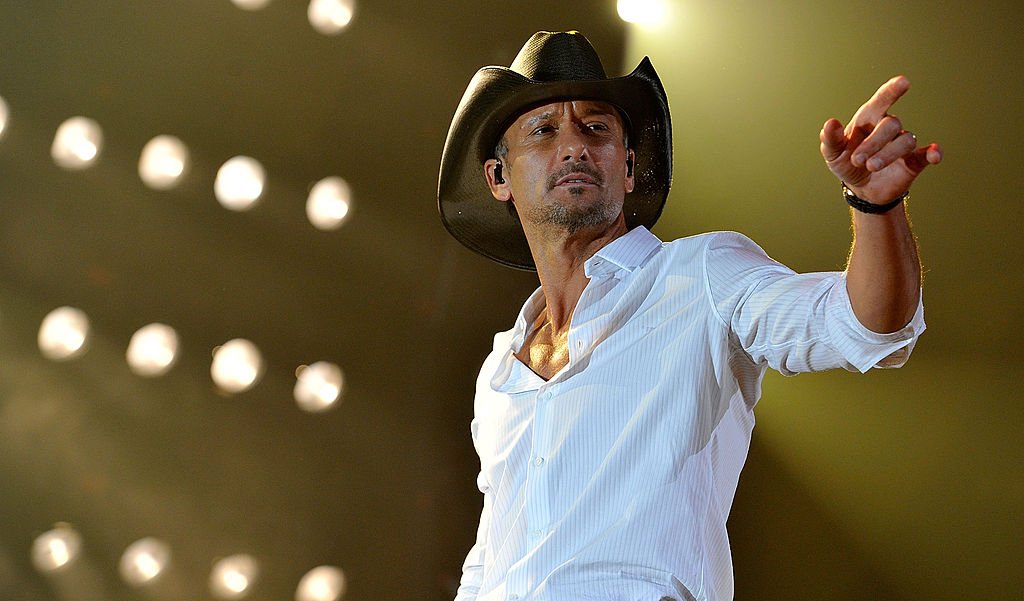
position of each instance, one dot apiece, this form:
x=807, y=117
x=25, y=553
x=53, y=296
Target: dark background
x=902, y=484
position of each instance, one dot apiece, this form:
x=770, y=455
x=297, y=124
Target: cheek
x=528, y=175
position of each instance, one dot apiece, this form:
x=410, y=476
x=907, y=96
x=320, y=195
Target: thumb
x=833, y=140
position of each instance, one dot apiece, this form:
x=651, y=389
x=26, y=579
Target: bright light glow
x=329, y=203
x=3, y=116
x=319, y=386
x=643, y=12
x=239, y=183
x=250, y=4
x=323, y=583
x=237, y=365
x=144, y=560
x=77, y=143
x=152, y=350
x=63, y=333
x=329, y=17
x=163, y=163
x=233, y=577
x=55, y=549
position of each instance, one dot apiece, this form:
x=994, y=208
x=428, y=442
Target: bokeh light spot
x=239, y=183
x=164, y=161
x=56, y=548
x=329, y=203
x=144, y=561
x=322, y=583
x=643, y=12
x=237, y=365
x=233, y=577
x=77, y=143
x=4, y=112
x=319, y=386
x=64, y=333
x=330, y=17
x=152, y=350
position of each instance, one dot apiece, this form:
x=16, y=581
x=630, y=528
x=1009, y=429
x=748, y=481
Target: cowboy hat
x=550, y=66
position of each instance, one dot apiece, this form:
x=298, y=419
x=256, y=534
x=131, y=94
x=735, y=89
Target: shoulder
x=711, y=247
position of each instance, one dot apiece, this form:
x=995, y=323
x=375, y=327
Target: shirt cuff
x=861, y=347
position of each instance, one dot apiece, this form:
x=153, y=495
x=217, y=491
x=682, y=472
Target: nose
x=573, y=144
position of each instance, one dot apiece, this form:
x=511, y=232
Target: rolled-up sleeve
x=795, y=322
x=863, y=348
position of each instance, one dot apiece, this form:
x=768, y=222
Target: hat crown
x=558, y=56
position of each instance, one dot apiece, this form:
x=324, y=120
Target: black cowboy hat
x=550, y=66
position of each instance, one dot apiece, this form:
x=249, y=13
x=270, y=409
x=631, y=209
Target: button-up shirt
x=613, y=480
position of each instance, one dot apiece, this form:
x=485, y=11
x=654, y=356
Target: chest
x=545, y=353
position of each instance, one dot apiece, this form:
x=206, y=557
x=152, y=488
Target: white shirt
x=613, y=480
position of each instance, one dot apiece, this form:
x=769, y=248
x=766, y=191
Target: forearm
x=884, y=272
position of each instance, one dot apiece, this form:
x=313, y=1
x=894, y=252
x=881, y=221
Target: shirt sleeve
x=473, y=567
x=795, y=322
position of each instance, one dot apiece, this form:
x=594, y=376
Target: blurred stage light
x=318, y=386
x=56, y=548
x=233, y=577
x=77, y=143
x=239, y=183
x=144, y=560
x=250, y=4
x=328, y=204
x=63, y=333
x=643, y=12
x=323, y=583
x=330, y=17
x=152, y=350
x=237, y=365
x=4, y=112
x=163, y=163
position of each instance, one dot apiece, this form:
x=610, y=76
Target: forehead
x=553, y=110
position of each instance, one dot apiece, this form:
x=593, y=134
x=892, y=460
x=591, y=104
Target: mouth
x=576, y=179
x=576, y=176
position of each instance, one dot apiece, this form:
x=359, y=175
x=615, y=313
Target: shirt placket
x=536, y=509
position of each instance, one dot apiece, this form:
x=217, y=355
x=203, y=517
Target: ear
x=500, y=191
x=630, y=170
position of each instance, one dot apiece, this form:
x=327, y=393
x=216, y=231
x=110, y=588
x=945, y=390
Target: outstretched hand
x=873, y=154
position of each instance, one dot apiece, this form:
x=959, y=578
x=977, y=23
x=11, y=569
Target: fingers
x=886, y=142
x=922, y=157
x=878, y=105
x=833, y=140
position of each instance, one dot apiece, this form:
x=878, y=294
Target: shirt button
x=545, y=396
x=538, y=461
x=513, y=597
x=537, y=533
x=579, y=345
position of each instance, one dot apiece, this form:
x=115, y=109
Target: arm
x=879, y=160
x=794, y=322
x=473, y=567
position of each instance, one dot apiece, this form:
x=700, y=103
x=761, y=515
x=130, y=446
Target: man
x=613, y=420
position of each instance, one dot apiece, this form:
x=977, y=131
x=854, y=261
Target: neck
x=560, y=257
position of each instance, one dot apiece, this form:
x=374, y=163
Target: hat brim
x=495, y=96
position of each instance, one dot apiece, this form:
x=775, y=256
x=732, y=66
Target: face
x=566, y=165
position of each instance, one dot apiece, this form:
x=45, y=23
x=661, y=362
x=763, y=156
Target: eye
x=597, y=126
x=543, y=129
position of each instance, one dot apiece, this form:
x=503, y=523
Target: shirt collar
x=628, y=252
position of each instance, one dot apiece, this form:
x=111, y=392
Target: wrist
x=866, y=206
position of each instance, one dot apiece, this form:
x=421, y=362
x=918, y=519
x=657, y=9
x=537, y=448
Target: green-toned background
x=900, y=485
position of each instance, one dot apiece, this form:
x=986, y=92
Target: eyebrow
x=596, y=110
x=538, y=118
